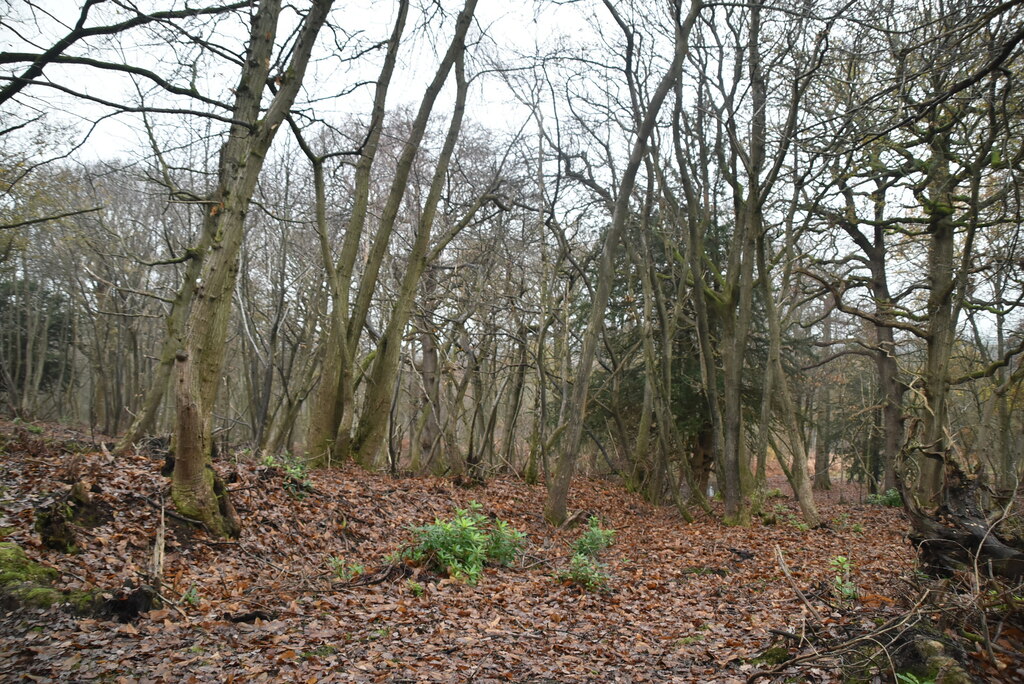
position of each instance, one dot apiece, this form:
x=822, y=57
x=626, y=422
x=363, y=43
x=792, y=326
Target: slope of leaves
x=686, y=602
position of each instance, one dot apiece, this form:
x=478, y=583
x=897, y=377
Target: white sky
x=508, y=27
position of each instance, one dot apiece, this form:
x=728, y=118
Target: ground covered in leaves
x=314, y=590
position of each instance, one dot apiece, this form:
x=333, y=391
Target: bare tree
x=196, y=490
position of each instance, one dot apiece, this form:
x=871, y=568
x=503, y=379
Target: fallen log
x=959, y=535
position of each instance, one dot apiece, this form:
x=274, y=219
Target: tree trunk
x=558, y=486
x=373, y=418
x=331, y=420
x=195, y=488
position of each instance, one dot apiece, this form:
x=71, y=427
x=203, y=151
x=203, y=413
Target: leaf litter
x=697, y=602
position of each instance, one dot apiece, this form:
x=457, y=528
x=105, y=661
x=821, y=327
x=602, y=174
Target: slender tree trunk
x=373, y=419
x=195, y=488
x=333, y=404
x=558, y=486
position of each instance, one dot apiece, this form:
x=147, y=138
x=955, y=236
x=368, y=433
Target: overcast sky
x=503, y=29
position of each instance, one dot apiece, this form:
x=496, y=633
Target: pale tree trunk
x=374, y=417
x=558, y=485
x=195, y=488
x=337, y=417
x=331, y=419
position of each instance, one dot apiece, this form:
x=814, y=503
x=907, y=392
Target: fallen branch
x=792, y=583
x=845, y=646
x=388, y=573
x=176, y=516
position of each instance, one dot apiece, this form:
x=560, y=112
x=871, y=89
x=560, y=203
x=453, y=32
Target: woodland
x=581, y=340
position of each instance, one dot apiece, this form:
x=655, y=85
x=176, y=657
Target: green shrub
x=891, y=499
x=462, y=545
x=844, y=588
x=594, y=540
x=296, y=474
x=503, y=543
x=344, y=570
x=586, y=572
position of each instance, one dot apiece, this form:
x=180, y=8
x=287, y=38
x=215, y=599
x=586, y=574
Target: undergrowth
x=584, y=568
x=463, y=545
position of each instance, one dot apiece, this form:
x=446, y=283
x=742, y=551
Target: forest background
x=678, y=243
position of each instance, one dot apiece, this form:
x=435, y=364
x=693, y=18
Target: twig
x=176, y=516
x=172, y=603
x=844, y=647
x=784, y=633
x=539, y=561
x=792, y=583
x=156, y=572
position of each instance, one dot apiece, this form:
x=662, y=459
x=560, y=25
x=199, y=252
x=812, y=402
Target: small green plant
x=321, y=651
x=909, y=678
x=461, y=546
x=594, y=539
x=858, y=528
x=296, y=479
x=296, y=474
x=774, y=494
x=344, y=570
x=415, y=588
x=844, y=588
x=191, y=597
x=586, y=572
x=891, y=498
x=380, y=633
x=783, y=514
x=34, y=429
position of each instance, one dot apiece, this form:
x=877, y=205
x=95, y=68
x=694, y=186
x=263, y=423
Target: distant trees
x=722, y=235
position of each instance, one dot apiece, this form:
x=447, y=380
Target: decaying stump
x=960, y=535
x=77, y=506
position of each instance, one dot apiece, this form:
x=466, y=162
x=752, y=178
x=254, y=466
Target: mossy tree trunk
x=195, y=489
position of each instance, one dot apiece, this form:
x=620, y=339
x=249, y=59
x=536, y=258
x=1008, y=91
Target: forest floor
x=689, y=603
